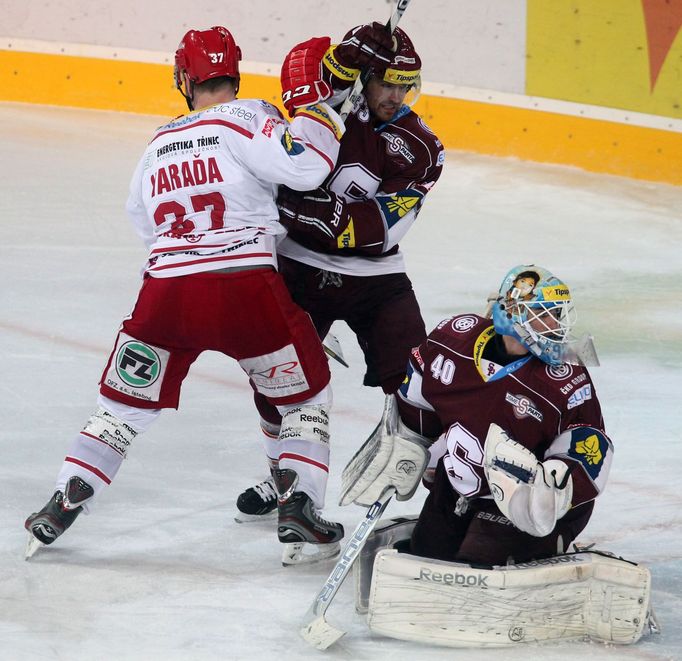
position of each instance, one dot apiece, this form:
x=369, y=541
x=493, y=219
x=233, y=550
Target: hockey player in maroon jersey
x=203, y=200
x=341, y=259
x=513, y=425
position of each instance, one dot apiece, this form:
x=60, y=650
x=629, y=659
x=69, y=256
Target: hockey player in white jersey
x=203, y=200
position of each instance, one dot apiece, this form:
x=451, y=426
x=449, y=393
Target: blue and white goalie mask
x=535, y=307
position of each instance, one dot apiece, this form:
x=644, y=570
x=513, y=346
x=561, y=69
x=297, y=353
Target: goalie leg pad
x=569, y=597
x=392, y=456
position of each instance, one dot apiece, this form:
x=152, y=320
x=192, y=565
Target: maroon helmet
x=206, y=54
x=405, y=67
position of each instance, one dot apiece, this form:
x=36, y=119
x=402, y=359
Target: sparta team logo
x=523, y=407
x=137, y=364
x=464, y=324
x=559, y=372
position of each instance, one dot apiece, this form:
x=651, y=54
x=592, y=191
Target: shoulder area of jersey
x=411, y=121
x=242, y=111
x=462, y=324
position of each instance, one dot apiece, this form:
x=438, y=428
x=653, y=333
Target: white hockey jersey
x=203, y=194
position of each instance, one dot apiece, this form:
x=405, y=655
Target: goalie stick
x=352, y=99
x=316, y=630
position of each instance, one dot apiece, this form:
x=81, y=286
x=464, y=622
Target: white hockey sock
x=270, y=439
x=304, y=447
x=93, y=461
x=311, y=466
x=98, y=451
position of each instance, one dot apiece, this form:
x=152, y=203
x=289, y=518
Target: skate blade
x=300, y=553
x=255, y=518
x=32, y=545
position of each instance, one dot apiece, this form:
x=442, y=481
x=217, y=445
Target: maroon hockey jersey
x=453, y=390
x=383, y=174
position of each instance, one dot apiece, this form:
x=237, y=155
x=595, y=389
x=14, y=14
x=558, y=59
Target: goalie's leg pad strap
x=562, y=598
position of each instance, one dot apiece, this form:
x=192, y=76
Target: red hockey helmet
x=205, y=54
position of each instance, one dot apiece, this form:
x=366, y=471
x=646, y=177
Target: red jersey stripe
x=176, y=265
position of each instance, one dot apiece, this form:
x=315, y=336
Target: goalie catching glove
x=393, y=456
x=532, y=494
x=302, y=75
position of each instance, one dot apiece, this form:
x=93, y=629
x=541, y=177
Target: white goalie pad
x=569, y=597
x=392, y=456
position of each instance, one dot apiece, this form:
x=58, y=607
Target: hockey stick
x=316, y=630
x=332, y=347
x=361, y=80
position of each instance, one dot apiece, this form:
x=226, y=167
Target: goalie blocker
x=393, y=456
x=567, y=597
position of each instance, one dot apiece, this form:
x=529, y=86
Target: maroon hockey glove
x=302, y=82
x=365, y=46
x=319, y=214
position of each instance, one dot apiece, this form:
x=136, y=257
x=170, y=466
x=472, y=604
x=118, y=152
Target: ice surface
x=160, y=570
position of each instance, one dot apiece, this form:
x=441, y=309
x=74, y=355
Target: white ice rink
x=160, y=570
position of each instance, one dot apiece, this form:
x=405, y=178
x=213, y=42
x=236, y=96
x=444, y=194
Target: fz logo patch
x=137, y=364
x=136, y=368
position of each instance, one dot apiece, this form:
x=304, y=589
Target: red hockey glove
x=365, y=46
x=302, y=83
x=319, y=214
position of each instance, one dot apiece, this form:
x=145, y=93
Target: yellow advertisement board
x=623, y=54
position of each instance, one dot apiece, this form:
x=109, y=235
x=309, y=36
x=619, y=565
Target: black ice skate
x=300, y=523
x=257, y=503
x=59, y=513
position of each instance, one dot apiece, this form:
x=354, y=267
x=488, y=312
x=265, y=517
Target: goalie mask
x=205, y=54
x=535, y=307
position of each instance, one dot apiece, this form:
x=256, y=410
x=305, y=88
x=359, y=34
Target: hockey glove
x=533, y=495
x=368, y=45
x=302, y=75
x=319, y=214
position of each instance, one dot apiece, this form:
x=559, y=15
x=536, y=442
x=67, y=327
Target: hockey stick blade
x=316, y=630
x=354, y=95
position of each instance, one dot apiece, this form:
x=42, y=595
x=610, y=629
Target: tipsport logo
x=137, y=364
